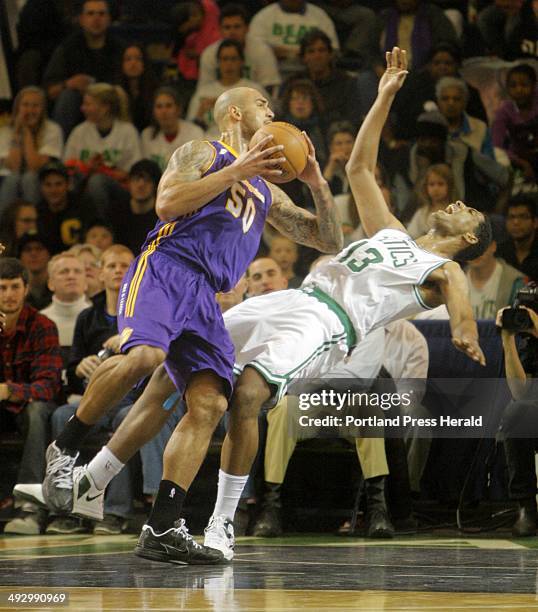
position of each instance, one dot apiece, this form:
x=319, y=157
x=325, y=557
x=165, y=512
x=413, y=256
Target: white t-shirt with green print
x=281, y=29
x=157, y=148
x=120, y=148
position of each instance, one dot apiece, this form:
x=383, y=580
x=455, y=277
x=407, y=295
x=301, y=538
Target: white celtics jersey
x=376, y=280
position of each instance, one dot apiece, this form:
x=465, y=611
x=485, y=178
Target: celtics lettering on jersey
x=357, y=258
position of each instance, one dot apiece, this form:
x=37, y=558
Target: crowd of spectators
x=98, y=95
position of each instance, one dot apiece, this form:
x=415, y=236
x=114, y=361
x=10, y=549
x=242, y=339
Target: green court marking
x=412, y=541
x=25, y=548
x=64, y=549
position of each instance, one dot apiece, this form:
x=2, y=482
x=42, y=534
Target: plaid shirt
x=30, y=360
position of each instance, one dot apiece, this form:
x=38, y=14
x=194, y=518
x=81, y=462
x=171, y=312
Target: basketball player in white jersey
x=304, y=333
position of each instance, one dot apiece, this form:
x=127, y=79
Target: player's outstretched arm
x=453, y=286
x=322, y=231
x=183, y=188
x=360, y=169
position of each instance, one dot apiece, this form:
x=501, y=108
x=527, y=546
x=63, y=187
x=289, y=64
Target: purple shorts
x=171, y=306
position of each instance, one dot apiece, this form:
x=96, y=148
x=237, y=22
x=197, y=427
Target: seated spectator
x=139, y=83
x=18, y=219
x=492, y=282
x=523, y=36
x=91, y=256
x=40, y=25
x=285, y=253
x=265, y=276
x=197, y=23
x=60, y=213
x=103, y=148
x=340, y=137
x=515, y=126
x=282, y=25
x=452, y=96
x=168, y=131
x=100, y=234
x=418, y=94
x=521, y=249
x=67, y=281
x=97, y=324
x=417, y=26
x=26, y=146
x=133, y=216
x=435, y=192
x=478, y=179
x=87, y=55
x=260, y=62
x=34, y=253
x=29, y=381
x=356, y=30
x=496, y=24
x=336, y=87
x=302, y=105
x=230, y=59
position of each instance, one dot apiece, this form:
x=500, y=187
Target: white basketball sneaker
x=30, y=492
x=88, y=500
x=219, y=534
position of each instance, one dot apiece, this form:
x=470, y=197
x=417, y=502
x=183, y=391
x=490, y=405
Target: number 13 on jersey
x=357, y=263
x=241, y=206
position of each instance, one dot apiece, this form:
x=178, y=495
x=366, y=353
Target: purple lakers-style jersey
x=222, y=237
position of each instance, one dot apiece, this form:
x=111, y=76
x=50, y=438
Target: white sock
x=103, y=467
x=229, y=492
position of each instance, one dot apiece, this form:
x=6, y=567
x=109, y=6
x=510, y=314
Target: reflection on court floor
x=292, y=573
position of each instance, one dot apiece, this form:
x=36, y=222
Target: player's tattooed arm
x=180, y=190
x=322, y=231
x=453, y=287
x=184, y=188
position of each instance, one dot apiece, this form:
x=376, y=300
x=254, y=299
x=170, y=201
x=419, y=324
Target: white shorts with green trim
x=287, y=335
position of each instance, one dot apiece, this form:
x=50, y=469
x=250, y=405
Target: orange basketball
x=295, y=148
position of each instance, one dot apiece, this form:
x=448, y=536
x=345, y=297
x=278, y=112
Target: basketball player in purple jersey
x=212, y=204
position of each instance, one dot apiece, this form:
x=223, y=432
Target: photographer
x=521, y=416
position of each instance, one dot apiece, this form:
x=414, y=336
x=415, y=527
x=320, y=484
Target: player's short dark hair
x=524, y=199
x=234, y=10
x=313, y=36
x=11, y=269
x=484, y=233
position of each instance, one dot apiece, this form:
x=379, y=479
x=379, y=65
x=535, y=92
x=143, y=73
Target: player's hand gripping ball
x=295, y=148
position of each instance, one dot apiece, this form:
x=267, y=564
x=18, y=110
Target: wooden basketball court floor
x=292, y=573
